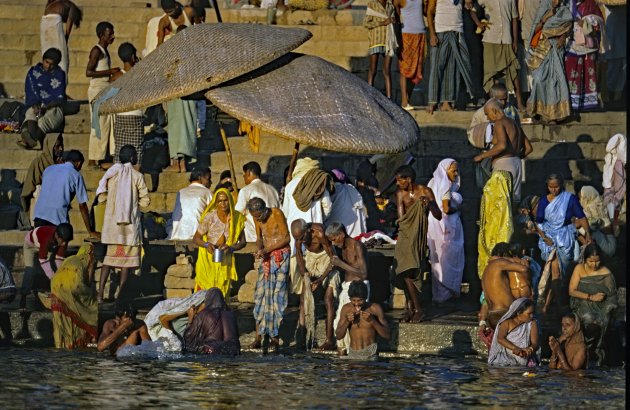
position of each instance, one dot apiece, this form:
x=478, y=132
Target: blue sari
x=563, y=235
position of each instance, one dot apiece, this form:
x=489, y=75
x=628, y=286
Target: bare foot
x=406, y=318
x=274, y=344
x=328, y=346
x=446, y=107
x=256, y=345
x=174, y=167
x=417, y=317
x=430, y=109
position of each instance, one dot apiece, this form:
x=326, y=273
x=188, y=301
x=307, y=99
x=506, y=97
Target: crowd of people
x=551, y=50
x=311, y=237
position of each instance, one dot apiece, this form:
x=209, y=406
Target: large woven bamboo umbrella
x=249, y=73
x=199, y=57
x=311, y=101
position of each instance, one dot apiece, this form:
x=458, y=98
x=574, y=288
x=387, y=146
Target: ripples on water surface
x=46, y=378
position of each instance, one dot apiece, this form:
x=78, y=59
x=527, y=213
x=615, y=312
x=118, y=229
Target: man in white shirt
x=189, y=205
x=254, y=188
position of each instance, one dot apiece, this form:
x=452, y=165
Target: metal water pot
x=217, y=256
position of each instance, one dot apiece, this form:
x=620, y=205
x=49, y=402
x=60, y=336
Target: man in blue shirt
x=60, y=184
x=45, y=90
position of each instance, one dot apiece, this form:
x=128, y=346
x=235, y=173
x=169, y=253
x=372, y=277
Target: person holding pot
x=220, y=233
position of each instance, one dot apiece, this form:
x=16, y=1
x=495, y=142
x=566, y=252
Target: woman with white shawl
x=515, y=340
x=598, y=220
x=446, y=237
x=614, y=178
x=167, y=320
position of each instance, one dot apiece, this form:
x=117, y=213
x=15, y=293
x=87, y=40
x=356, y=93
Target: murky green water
x=46, y=378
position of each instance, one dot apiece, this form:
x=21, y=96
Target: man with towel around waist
x=509, y=145
x=353, y=262
x=315, y=268
x=306, y=196
x=414, y=202
x=362, y=320
x=272, y=241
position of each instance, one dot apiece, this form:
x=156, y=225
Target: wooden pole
x=296, y=149
x=215, y=6
x=228, y=152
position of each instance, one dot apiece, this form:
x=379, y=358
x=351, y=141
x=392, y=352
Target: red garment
x=42, y=236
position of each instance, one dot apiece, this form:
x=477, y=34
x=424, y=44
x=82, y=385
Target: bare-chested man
x=122, y=330
x=316, y=263
x=353, y=264
x=272, y=240
x=362, y=320
x=509, y=145
x=497, y=286
x=413, y=202
x=53, y=34
x=176, y=15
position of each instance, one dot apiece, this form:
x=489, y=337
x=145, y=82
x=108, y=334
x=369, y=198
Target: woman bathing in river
x=568, y=352
x=515, y=341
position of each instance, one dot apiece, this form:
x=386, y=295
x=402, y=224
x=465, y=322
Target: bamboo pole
x=228, y=152
x=296, y=150
x=215, y=6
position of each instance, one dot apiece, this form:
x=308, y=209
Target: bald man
x=509, y=145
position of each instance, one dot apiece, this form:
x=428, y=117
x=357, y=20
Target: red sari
x=580, y=61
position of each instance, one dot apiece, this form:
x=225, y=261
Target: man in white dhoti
x=53, y=34
x=99, y=70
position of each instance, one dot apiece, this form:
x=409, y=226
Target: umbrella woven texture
x=317, y=103
x=200, y=57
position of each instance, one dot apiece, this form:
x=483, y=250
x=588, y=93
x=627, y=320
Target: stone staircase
x=337, y=36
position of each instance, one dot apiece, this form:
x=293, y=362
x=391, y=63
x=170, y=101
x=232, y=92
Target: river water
x=54, y=379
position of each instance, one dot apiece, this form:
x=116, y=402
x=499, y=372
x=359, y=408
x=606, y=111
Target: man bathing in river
x=316, y=262
x=498, y=280
x=272, y=240
x=362, y=320
x=122, y=330
x=414, y=202
x=353, y=262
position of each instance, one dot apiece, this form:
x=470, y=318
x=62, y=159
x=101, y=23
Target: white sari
x=446, y=237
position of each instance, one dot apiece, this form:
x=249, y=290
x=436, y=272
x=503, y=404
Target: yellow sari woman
x=495, y=216
x=220, y=226
x=73, y=301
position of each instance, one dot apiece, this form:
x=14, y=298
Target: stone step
x=112, y=14
x=70, y=141
x=31, y=26
x=14, y=88
x=91, y=3
x=84, y=42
